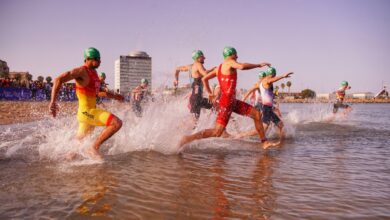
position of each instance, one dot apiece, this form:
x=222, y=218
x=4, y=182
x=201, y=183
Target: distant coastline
x=330, y=101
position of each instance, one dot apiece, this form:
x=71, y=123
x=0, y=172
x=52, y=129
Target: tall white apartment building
x=130, y=69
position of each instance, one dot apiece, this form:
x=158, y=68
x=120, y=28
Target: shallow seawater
x=325, y=170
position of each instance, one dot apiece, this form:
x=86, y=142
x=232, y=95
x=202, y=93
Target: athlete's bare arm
x=251, y=90
x=277, y=78
x=246, y=66
x=206, y=84
x=111, y=95
x=79, y=74
x=199, y=70
x=177, y=71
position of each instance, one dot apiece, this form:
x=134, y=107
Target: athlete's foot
x=269, y=144
x=225, y=134
x=94, y=154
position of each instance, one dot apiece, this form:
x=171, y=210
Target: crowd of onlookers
x=67, y=91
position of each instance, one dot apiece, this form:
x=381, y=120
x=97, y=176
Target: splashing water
x=160, y=128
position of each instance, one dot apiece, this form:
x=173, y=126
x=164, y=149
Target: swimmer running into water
x=340, y=95
x=227, y=78
x=87, y=89
x=197, y=71
x=267, y=101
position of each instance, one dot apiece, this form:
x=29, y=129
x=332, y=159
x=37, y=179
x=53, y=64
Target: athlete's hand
x=211, y=98
x=265, y=64
x=53, y=108
x=288, y=74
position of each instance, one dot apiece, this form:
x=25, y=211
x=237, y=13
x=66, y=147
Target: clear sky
x=322, y=41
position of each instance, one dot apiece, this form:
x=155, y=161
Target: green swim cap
x=91, y=53
x=344, y=83
x=261, y=74
x=228, y=51
x=102, y=75
x=196, y=54
x=270, y=71
x=144, y=81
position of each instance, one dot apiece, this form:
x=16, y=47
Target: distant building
x=363, y=95
x=130, y=69
x=383, y=94
x=4, y=69
x=22, y=77
x=323, y=96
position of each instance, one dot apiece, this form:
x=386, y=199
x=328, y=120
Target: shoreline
x=14, y=112
x=362, y=101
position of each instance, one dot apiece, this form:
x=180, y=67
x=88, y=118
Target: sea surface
x=326, y=169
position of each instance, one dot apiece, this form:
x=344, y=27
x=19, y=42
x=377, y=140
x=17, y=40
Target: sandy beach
x=12, y=112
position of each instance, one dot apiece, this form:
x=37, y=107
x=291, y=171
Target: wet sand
x=12, y=112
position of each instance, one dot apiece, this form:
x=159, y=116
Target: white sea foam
x=160, y=128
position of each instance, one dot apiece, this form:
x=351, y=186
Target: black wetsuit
x=197, y=101
x=339, y=104
x=136, y=104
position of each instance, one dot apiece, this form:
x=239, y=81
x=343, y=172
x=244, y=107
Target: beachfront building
x=130, y=69
x=22, y=77
x=325, y=96
x=4, y=69
x=383, y=94
x=363, y=95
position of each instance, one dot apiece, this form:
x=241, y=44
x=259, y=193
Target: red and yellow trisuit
x=88, y=115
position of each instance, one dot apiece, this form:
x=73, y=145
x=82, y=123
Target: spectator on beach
x=34, y=89
x=48, y=91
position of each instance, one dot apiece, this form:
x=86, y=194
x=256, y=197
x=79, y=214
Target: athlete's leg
x=256, y=116
x=213, y=132
x=110, y=129
x=245, y=109
x=347, y=110
x=280, y=126
x=84, y=130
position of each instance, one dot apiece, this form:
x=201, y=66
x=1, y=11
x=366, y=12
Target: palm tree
x=276, y=92
x=288, y=84
x=283, y=86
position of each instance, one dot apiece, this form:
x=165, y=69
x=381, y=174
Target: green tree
x=4, y=74
x=308, y=93
x=283, y=86
x=288, y=84
x=29, y=77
